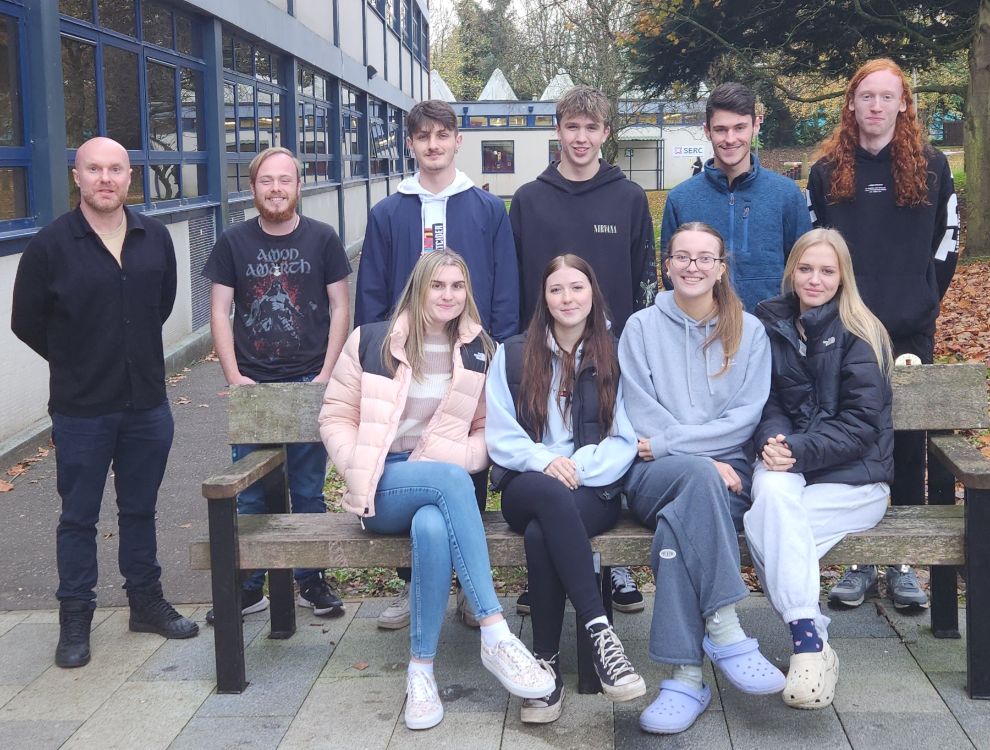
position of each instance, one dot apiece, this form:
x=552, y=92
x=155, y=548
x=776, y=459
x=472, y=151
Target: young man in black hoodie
x=891, y=195
x=586, y=206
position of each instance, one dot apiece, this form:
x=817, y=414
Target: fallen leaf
x=181, y=400
x=5, y=486
x=360, y=666
x=185, y=525
x=223, y=394
x=204, y=406
x=108, y=535
x=16, y=470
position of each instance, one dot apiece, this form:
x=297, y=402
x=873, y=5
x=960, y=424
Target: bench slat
x=243, y=474
x=963, y=460
x=921, y=535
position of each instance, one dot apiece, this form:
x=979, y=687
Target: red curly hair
x=908, y=158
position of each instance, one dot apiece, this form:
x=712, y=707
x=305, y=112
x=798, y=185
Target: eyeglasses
x=702, y=262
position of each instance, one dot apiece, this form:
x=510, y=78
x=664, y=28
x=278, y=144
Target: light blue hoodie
x=673, y=393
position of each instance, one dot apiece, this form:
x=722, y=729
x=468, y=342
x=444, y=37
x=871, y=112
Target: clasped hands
x=776, y=454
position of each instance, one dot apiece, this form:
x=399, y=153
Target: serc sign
x=689, y=151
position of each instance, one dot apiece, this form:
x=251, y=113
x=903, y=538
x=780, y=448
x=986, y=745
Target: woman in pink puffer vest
x=403, y=420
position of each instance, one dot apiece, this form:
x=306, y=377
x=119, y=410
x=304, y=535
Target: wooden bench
x=937, y=398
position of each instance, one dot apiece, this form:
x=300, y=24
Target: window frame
x=511, y=162
x=20, y=157
x=331, y=157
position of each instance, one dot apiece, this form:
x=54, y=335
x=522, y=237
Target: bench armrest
x=243, y=473
x=966, y=463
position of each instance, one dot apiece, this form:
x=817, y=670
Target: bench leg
x=977, y=593
x=281, y=589
x=945, y=604
x=228, y=632
x=588, y=682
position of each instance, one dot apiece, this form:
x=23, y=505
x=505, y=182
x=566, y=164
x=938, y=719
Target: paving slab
x=973, y=716
x=586, y=721
x=280, y=677
x=67, y=694
x=356, y=712
x=36, y=735
x=232, y=733
x=7, y=692
x=871, y=671
x=870, y=731
x=367, y=650
x=10, y=619
x=25, y=652
x=50, y=616
x=146, y=715
x=708, y=733
x=481, y=731
x=760, y=721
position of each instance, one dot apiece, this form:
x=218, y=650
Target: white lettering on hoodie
x=433, y=208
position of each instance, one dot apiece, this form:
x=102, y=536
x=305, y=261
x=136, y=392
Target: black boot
x=74, y=619
x=150, y=613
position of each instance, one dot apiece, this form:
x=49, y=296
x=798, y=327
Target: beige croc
x=811, y=679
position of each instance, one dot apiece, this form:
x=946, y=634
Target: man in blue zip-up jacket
x=760, y=214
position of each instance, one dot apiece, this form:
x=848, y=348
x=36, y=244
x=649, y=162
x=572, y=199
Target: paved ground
x=340, y=683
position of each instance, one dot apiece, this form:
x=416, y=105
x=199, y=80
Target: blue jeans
x=435, y=503
x=307, y=468
x=136, y=444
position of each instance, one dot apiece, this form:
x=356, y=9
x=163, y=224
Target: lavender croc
x=675, y=709
x=745, y=667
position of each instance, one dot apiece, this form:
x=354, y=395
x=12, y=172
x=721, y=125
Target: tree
x=674, y=44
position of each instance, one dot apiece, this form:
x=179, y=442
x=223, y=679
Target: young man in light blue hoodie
x=760, y=214
x=438, y=208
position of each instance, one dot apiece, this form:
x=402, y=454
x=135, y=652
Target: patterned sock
x=688, y=674
x=806, y=638
x=723, y=627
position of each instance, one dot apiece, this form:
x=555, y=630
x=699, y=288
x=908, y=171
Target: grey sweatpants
x=695, y=553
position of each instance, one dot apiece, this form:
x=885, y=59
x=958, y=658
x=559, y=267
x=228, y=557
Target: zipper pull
x=746, y=212
x=732, y=199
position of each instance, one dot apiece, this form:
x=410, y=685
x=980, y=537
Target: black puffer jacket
x=833, y=403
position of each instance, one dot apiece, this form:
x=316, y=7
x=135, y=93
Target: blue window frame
x=254, y=90
x=16, y=205
x=396, y=141
x=122, y=58
x=317, y=143
x=353, y=135
x=378, y=138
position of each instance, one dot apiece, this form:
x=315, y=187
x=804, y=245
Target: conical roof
x=497, y=89
x=557, y=87
x=439, y=88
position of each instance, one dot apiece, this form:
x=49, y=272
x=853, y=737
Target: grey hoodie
x=673, y=394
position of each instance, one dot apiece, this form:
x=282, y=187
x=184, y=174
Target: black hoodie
x=904, y=257
x=605, y=220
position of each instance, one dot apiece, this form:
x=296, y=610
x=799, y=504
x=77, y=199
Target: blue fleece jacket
x=477, y=228
x=674, y=393
x=759, y=217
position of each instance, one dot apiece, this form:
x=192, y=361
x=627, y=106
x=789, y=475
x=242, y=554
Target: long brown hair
x=598, y=351
x=909, y=162
x=412, y=301
x=728, y=306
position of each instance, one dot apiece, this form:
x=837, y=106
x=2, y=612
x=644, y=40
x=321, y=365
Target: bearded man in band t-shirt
x=286, y=276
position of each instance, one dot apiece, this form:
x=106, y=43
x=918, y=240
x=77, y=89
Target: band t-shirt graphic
x=281, y=311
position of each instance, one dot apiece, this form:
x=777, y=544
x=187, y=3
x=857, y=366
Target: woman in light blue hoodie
x=696, y=374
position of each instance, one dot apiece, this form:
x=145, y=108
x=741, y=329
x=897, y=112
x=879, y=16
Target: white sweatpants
x=792, y=524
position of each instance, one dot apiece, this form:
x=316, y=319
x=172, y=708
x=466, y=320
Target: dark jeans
x=480, y=481
x=135, y=443
x=557, y=523
x=908, y=487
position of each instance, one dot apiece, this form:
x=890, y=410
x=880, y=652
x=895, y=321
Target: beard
x=276, y=217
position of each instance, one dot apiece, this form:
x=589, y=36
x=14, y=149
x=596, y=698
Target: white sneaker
x=517, y=669
x=396, y=615
x=423, y=706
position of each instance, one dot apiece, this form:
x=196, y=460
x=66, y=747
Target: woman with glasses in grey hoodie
x=696, y=374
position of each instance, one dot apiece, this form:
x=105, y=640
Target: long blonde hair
x=728, y=306
x=412, y=301
x=853, y=312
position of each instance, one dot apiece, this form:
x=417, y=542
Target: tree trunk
x=977, y=134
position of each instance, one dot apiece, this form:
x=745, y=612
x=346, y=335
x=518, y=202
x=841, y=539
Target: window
x=316, y=113
x=353, y=138
x=147, y=93
x=253, y=93
x=15, y=155
x=498, y=122
x=517, y=121
x=396, y=143
x=406, y=21
x=378, y=138
x=497, y=157
x=544, y=121
x=554, y=151
x=477, y=121
x=379, y=6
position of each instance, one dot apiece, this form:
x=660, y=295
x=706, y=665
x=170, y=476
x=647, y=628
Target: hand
x=644, y=450
x=322, y=377
x=729, y=476
x=563, y=469
x=777, y=454
x=241, y=380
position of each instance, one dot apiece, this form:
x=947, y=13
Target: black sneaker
x=316, y=593
x=252, y=600
x=619, y=680
x=625, y=595
x=858, y=582
x=74, y=621
x=522, y=603
x=546, y=709
x=151, y=613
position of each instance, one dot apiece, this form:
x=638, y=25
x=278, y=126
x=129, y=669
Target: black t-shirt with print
x=281, y=311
